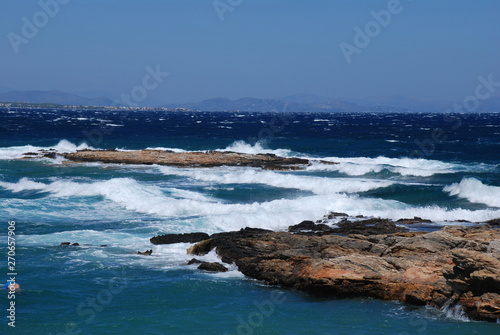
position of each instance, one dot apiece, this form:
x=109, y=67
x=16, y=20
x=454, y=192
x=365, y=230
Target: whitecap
x=475, y=191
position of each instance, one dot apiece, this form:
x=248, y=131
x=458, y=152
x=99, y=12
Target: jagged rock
x=368, y=227
x=485, y=307
x=308, y=226
x=473, y=271
x=453, y=265
x=494, y=222
x=346, y=227
x=179, y=238
x=65, y=243
x=145, y=253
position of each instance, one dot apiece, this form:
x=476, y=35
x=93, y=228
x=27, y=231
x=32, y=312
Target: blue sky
x=267, y=49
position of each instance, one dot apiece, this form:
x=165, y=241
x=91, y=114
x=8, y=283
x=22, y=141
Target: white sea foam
x=17, y=152
x=121, y=248
x=188, y=211
x=257, y=148
x=317, y=185
x=475, y=191
x=166, y=149
x=358, y=166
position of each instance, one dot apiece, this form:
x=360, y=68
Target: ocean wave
x=358, y=166
x=189, y=211
x=257, y=148
x=475, y=191
x=16, y=152
x=317, y=185
x=237, y=146
x=126, y=192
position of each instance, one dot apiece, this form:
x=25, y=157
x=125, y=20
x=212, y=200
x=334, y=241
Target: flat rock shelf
x=189, y=159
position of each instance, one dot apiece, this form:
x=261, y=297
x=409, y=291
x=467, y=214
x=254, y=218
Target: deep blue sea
x=441, y=167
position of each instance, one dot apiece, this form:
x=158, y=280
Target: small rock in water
x=212, y=267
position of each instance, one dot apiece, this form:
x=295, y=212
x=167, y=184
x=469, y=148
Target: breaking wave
x=474, y=190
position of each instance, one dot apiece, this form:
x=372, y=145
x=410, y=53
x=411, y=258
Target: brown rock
x=187, y=159
x=455, y=265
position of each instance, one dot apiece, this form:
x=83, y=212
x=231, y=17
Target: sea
x=441, y=167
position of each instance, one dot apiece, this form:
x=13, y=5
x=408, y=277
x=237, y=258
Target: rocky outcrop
x=346, y=227
x=457, y=266
x=188, y=159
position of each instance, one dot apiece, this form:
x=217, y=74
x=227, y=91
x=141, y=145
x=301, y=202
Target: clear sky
x=262, y=48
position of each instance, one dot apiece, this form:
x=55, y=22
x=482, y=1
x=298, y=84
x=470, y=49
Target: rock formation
x=188, y=159
x=455, y=265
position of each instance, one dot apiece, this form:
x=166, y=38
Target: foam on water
x=317, y=185
x=210, y=215
x=16, y=152
x=257, y=148
x=358, y=166
x=474, y=190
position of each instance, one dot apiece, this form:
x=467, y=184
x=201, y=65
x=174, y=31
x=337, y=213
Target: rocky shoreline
x=452, y=266
x=180, y=159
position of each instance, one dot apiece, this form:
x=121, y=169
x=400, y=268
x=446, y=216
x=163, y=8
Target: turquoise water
x=95, y=289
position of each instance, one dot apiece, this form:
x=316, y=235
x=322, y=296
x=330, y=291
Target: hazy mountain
x=296, y=103
x=292, y=103
x=306, y=99
x=55, y=97
x=243, y=104
x=412, y=104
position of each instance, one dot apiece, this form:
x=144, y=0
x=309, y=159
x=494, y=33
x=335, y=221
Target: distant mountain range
x=293, y=103
x=53, y=97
